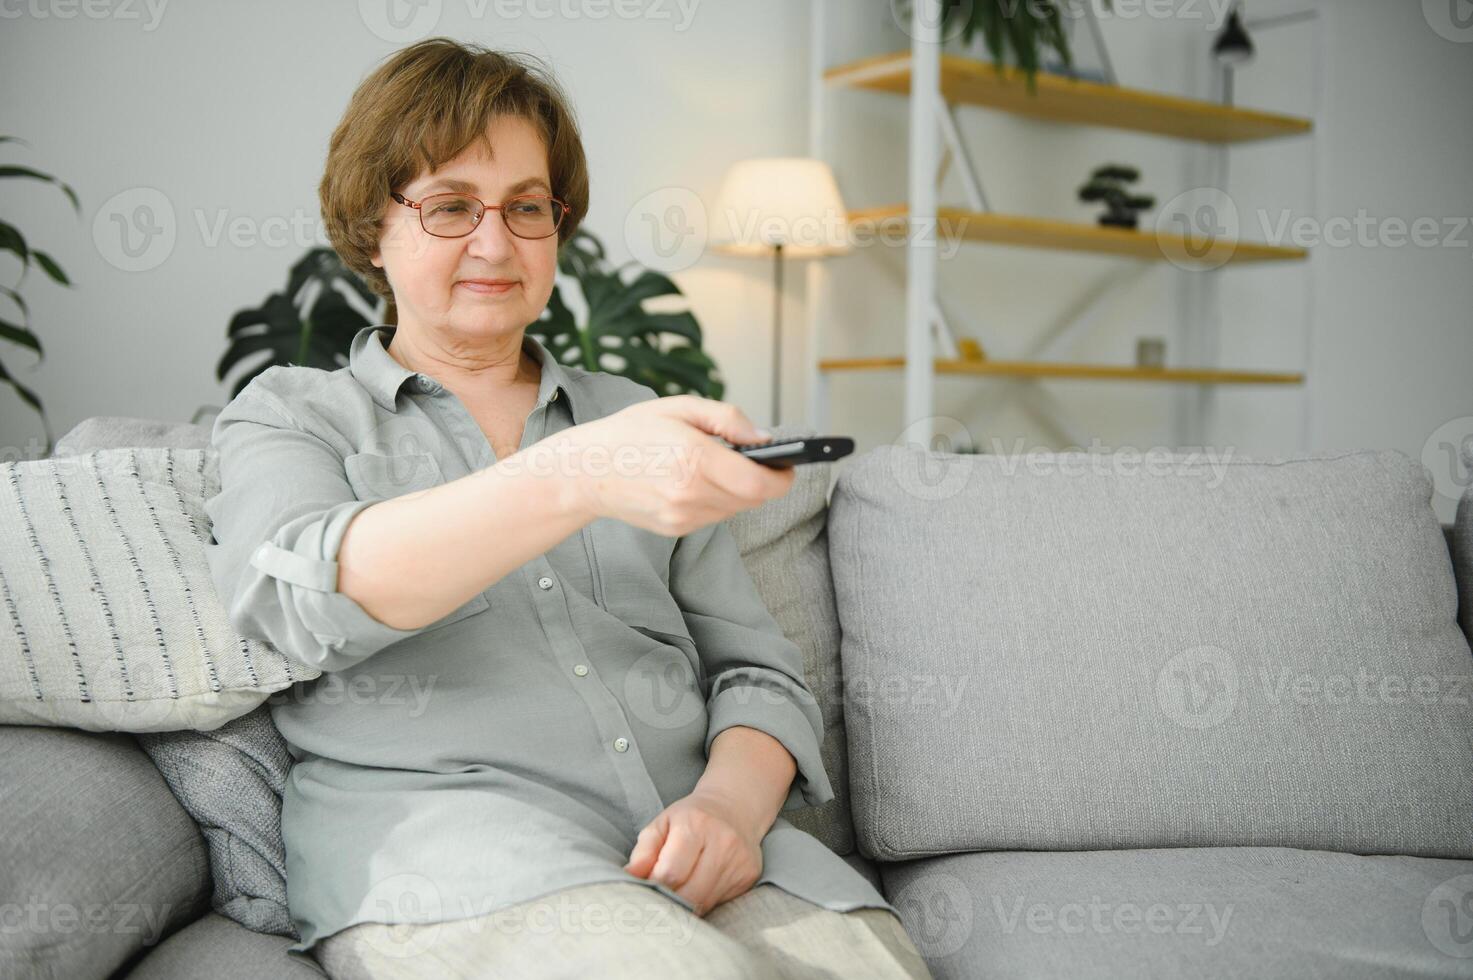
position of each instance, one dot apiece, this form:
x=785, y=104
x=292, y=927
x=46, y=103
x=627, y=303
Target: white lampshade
x=792, y=201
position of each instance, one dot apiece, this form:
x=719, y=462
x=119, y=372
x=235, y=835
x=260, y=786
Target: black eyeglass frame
x=499, y=208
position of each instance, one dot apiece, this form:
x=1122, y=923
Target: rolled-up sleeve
x=755, y=672
x=277, y=523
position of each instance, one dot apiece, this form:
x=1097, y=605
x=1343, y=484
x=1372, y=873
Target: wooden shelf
x=1004, y=229
x=1060, y=99
x=1046, y=369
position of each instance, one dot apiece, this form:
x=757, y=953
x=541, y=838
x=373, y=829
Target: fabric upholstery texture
x=784, y=544
x=1264, y=912
x=114, y=623
x=97, y=860
x=1100, y=653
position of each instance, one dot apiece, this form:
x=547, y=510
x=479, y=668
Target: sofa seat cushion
x=221, y=949
x=1264, y=912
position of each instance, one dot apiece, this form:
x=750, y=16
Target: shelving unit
x=1068, y=236
x=965, y=81
x=935, y=83
x=1054, y=369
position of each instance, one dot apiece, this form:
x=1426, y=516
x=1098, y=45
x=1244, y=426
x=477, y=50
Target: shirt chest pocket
x=632, y=567
x=376, y=476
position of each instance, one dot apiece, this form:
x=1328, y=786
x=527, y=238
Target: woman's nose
x=491, y=239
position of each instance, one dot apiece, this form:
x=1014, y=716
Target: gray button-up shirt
x=519, y=744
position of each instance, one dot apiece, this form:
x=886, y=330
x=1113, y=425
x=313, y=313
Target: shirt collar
x=375, y=368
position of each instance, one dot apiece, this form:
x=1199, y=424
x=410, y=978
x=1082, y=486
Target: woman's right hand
x=656, y=465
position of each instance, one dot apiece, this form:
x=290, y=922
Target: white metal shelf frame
x=927, y=325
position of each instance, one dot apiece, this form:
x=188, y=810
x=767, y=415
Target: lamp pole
x=777, y=331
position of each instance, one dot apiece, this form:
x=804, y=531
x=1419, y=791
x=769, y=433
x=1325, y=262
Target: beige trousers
x=622, y=930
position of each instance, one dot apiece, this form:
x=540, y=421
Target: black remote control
x=799, y=449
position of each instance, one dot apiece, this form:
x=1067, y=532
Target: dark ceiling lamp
x=1232, y=47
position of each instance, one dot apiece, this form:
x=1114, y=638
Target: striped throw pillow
x=111, y=621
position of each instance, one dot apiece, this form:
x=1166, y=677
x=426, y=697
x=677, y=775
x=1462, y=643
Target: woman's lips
x=486, y=288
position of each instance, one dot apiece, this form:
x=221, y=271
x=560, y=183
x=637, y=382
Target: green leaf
x=1016, y=31
x=49, y=266
x=618, y=324
x=17, y=334
x=25, y=393
x=301, y=325
x=19, y=301
x=647, y=285
x=11, y=240
x=9, y=170
x=32, y=399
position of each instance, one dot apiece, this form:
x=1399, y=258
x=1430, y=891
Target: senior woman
x=554, y=726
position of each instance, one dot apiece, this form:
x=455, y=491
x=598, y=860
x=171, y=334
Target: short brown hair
x=418, y=110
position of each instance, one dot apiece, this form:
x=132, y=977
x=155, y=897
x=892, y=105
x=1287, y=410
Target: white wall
x=225, y=109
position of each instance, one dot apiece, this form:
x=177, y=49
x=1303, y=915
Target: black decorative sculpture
x=1107, y=184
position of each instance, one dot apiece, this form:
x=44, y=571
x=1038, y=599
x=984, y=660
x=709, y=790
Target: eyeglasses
x=457, y=215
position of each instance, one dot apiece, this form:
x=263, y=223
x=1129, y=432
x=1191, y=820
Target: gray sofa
x=1012, y=844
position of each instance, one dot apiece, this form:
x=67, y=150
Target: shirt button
x=580, y=669
x=621, y=744
x=554, y=394
x=544, y=582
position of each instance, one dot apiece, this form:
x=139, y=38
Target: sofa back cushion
x=126, y=432
x=1078, y=651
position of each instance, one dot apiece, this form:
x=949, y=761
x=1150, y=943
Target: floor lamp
x=779, y=208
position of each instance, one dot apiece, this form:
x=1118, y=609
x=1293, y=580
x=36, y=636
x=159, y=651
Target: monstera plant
x=312, y=322
x=619, y=335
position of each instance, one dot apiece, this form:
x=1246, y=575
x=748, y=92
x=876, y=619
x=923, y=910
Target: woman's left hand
x=704, y=847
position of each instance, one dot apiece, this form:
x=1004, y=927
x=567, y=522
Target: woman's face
x=427, y=273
